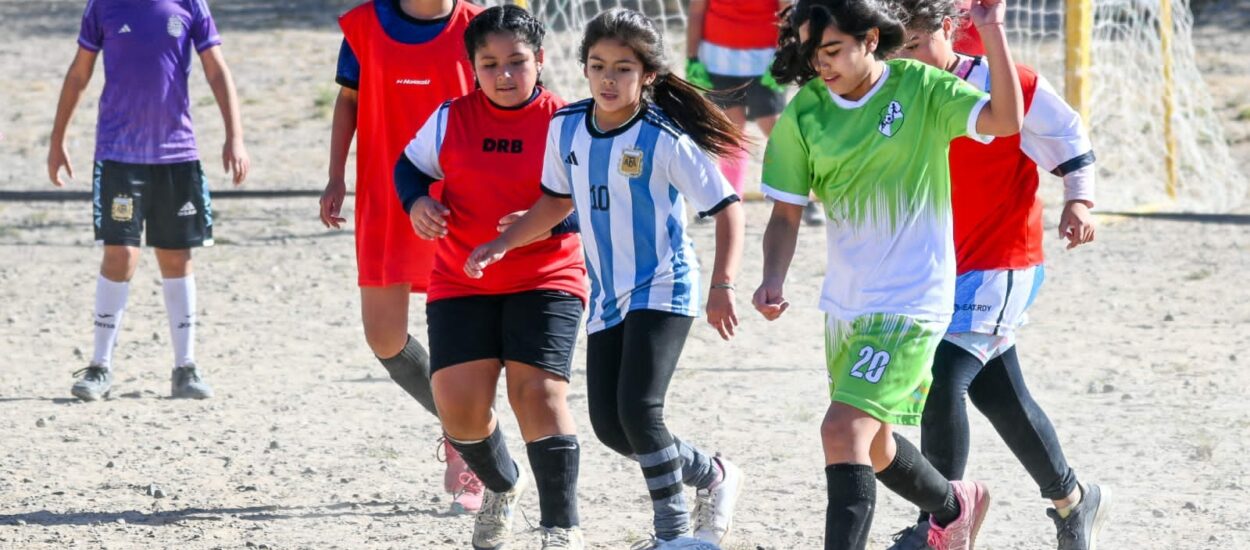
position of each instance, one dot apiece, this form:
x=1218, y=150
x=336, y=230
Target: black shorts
x=759, y=100
x=537, y=328
x=171, y=199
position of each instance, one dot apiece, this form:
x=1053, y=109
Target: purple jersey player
x=147, y=168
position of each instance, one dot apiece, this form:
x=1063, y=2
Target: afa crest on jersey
x=891, y=119
x=631, y=163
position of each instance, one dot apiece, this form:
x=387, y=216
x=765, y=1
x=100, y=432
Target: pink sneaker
x=961, y=534
x=465, y=488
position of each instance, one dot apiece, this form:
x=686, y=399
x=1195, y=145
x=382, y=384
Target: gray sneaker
x=95, y=384
x=559, y=538
x=492, y=527
x=185, y=382
x=1079, y=531
x=915, y=537
x=813, y=214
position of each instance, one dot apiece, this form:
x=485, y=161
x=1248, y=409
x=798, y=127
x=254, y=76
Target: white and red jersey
x=998, y=215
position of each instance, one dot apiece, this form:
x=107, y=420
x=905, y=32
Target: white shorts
x=984, y=347
x=994, y=302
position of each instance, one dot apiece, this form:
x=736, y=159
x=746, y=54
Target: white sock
x=110, y=303
x=180, y=306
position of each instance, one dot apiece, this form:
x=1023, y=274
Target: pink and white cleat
x=961, y=534
x=465, y=488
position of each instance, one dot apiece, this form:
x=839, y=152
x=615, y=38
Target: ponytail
x=682, y=101
x=698, y=117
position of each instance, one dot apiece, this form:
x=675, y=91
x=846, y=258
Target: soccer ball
x=687, y=543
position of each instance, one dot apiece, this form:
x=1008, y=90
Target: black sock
x=913, y=478
x=410, y=368
x=555, y=462
x=489, y=459
x=852, y=499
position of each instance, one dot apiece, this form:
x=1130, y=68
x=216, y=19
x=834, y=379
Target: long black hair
x=682, y=101
x=504, y=19
x=927, y=15
x=853, y=17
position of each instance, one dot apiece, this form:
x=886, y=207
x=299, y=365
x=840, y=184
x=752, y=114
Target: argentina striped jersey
x=629, y=188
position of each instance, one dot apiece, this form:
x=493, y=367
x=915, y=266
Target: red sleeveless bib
x=400, y=85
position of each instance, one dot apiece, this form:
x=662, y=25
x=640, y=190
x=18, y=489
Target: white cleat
x=492, y=527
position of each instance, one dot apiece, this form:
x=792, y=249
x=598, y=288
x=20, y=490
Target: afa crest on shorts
x=631, y=163
x=891, y=119
x=123, y=209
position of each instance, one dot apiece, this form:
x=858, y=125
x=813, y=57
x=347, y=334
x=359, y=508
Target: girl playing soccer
x=870, y=139
x=399, y=60
x=626, y=161
x=487, y=149
x=998, y=244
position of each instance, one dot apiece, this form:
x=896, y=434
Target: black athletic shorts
x=171, y=199
x=537, y=328
x=758, y=99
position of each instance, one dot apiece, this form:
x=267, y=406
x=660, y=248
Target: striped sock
x=698, y=470
x=662, y=469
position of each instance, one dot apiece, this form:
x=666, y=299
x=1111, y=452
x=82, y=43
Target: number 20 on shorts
x=871, y=364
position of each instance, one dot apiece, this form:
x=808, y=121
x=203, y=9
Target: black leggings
x=628, y=368
x=999, y=392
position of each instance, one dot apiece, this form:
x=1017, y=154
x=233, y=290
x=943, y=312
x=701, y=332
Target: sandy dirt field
x=1138, y=350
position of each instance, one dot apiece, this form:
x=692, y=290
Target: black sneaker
x=95, y=384
x=1079, y=531
x=186, y=382
x=813, y=214
x=915, y=537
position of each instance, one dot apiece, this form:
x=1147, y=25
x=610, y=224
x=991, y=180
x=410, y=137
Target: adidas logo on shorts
x=187, y=209
x=125, y=29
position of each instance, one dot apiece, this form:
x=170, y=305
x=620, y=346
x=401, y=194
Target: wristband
x=726, y=286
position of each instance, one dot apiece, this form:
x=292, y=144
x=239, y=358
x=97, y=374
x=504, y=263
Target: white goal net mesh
x=1127, y=110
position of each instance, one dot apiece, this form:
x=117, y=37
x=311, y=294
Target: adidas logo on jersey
x=187, y=209
x=571, y=159
x=125, y=29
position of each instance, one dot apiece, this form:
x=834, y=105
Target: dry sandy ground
x=1138, y=351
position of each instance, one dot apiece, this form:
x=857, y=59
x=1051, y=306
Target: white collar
x=848, y=104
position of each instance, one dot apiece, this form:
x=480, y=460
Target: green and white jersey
x=879, y=166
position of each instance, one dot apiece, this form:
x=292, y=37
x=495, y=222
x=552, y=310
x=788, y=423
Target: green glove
x=696, y=73
x=771, y=83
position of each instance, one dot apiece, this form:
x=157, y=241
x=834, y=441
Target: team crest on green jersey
x=891, y=119
x=631, y=163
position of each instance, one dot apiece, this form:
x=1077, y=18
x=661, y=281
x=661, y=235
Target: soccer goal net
x=1130, y=65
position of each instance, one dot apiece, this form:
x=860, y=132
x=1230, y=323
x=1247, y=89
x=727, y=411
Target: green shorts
x=881, y=364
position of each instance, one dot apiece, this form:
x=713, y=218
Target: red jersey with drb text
x=490, y=161
x=400, y=85
x=741, y=24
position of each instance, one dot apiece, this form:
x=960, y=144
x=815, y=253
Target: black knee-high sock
x=555, y=462
x=410, y=368
x=913, y=478
x=852, y=500
x=489, y=459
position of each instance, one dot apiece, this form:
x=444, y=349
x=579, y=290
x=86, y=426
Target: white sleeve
x=424, y=149
x=1055, y=139
x=693, y=172
x=555, y=174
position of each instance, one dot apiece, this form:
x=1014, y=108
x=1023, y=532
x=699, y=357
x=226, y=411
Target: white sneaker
x=492, y=527
x=714, y=508
x=559, y=538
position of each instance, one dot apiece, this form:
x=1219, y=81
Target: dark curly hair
x=793, y=62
